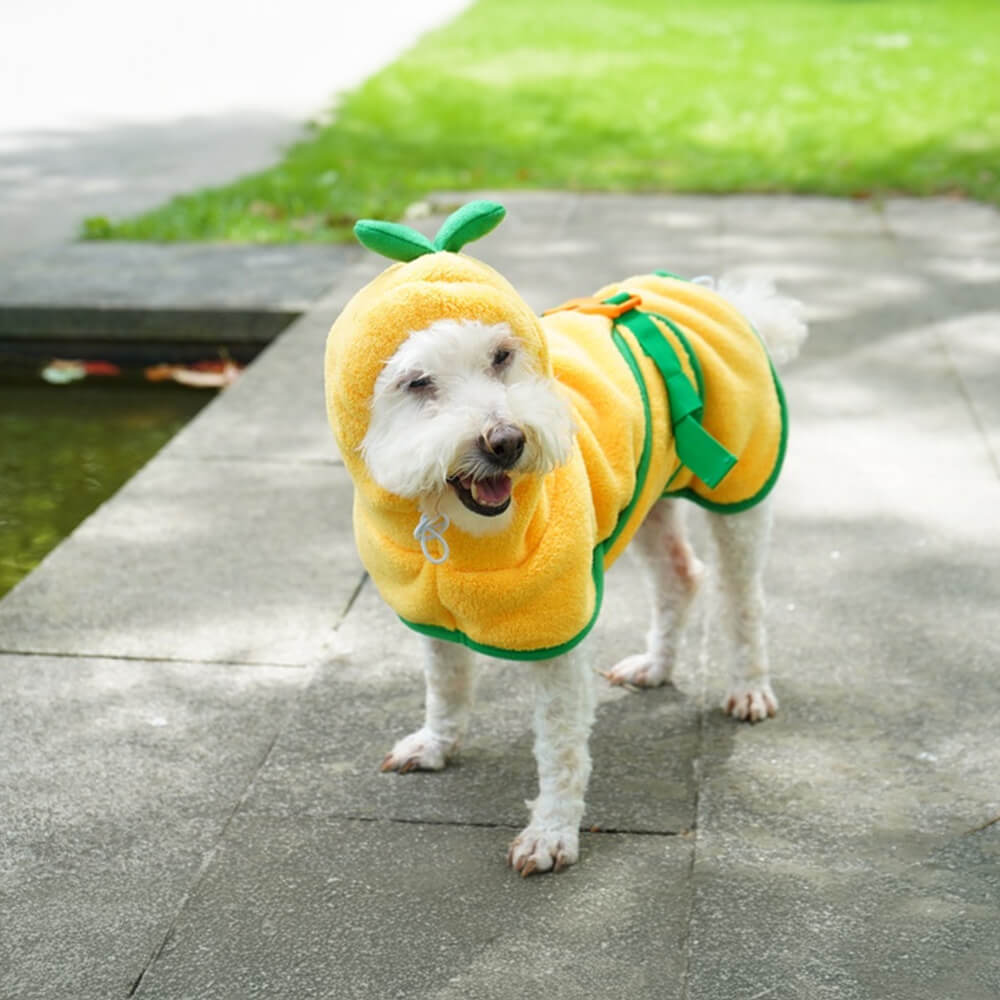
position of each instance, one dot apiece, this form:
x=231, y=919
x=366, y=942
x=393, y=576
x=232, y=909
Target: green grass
x=840, y=97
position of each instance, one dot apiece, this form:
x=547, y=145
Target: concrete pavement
x=199, y=684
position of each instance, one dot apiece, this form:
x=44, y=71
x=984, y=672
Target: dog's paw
x=420, y=751
x=539, y=849
x=640, y=670
x=751, y=702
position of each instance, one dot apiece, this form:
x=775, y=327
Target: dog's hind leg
x=564, y=713
x=450, y=676
x=673, y=573
x=742, y=540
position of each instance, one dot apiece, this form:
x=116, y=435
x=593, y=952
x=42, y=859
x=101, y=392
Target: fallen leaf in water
x=63, y=372
x=204, y=375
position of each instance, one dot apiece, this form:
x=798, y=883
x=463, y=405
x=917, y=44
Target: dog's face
x=459, y=412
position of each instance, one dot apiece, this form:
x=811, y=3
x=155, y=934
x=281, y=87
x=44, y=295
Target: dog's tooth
x=478, y=496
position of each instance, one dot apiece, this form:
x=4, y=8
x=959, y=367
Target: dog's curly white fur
x=460, y=404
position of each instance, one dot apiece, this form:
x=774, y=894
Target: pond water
x=64, y=449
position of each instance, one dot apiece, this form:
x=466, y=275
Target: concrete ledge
x=79, y=330
x=113, y=293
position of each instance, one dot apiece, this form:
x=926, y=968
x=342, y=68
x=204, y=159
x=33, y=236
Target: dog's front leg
x=450, y=676
x=564, y=713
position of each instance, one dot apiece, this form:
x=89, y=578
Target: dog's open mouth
x=489, y=497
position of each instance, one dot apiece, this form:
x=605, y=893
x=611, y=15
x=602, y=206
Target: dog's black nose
x=504, y=443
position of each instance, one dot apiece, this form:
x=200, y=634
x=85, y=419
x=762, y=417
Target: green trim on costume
x=673, y=476
x=647, y=445
x=453, y=635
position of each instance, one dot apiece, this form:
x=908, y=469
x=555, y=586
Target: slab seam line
x=478, y=824
x=132, y=658
x=209, y=857
x=255, y=459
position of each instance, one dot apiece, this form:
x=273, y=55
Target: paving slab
x=117, y=779
x=218, y=561
x=315, y=908
x=644, y=746
x=555, y=246
x=847, y=851
x=958, y=266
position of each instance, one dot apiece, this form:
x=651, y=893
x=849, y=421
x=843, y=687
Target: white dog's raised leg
x=450, y=676
x=673, y=572
x=564, y=713
x=742, y=541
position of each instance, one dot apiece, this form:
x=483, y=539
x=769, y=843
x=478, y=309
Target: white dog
x=463, y=417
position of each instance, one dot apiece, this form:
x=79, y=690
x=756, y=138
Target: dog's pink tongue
x=493, y=491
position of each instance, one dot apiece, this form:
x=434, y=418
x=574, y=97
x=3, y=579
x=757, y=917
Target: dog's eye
x=421, y=384
x=501, y=356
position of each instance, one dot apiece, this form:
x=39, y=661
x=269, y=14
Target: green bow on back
x=399, y=242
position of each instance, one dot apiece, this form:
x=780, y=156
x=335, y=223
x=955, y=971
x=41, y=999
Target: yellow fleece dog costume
x=662, y=374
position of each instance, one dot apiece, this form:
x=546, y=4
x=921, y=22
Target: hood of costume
x=661, y=374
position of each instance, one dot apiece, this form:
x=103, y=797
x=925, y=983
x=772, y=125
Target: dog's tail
x=778, y=319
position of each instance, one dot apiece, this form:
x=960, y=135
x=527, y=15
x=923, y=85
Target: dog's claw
x=754, y=703
x=408, y=765
x=638, y=672
x=420, y=751
x=619, y=681
x=538, y=851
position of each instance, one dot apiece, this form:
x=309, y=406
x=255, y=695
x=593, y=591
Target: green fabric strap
x=696, y=448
